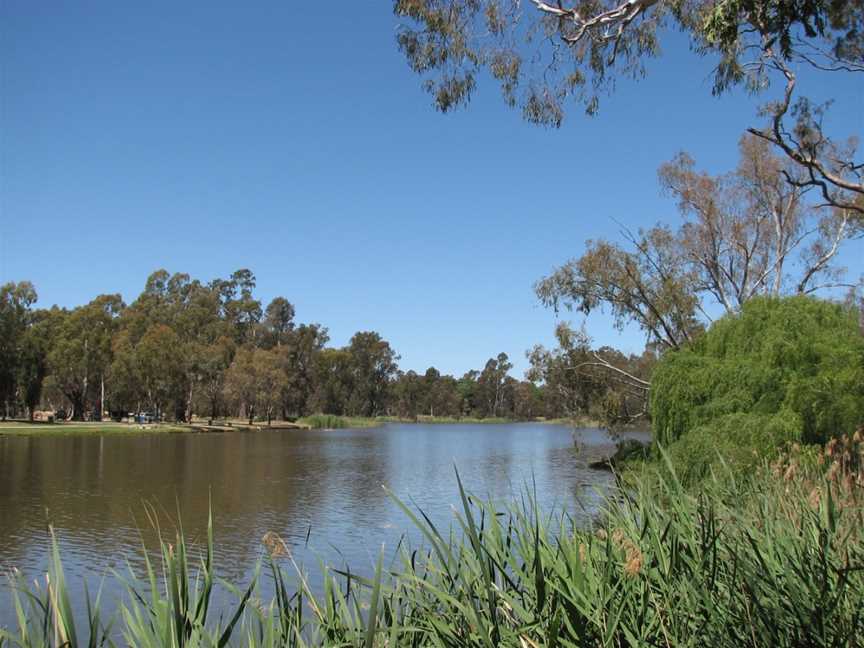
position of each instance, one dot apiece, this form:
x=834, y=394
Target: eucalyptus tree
x=406, y=394
x=211, y=363
x=546, y=55
x=528, y=401
x=278, y=321
x=334, y=381
x=238, y=305
x=744, y=234
x=570, y=388
x=469, y=393
x=82, y=353
x=750, y=232
x=299, y=356
x=241, y=387
x=16, y=300
x=492, y=384
x=441, y=394
x=193, y=312
x=254, y=382
x=580, y=380
x=373, y=366
x=649, y=284
x=33, y=358
x=160, y=363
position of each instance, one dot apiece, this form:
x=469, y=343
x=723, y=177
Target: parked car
x=146, y=417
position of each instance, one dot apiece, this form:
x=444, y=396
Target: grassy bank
x=329, y=421
x=576, y=422
x=445, y=420
x=15, y=428
x=314, y=421
x=774, y=560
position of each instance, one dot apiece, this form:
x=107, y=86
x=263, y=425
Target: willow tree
x=548, y=55
x=781, y=371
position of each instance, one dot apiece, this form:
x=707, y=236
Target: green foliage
x=772, y=560
x=15, y=303
x=332, y=422
x=782, y=370
x=451, y=42
x=185, y=348
x=601, y=384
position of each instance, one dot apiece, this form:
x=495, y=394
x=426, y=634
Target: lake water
x=321, y=491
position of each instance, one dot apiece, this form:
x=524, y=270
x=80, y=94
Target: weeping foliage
x=782, y=370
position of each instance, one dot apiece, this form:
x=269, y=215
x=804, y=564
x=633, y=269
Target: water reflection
x=326, y=484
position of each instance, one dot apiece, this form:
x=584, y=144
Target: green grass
x=314, y=421
x=319, y=421
x=773, y=560
x=581, y=422
x=444, y=420
x=332, y=422
x=577, y=422
x=79, y=428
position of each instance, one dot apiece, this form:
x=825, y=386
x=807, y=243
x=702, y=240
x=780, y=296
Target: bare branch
x=806, y=156
x=606, y=26
x=605, y=364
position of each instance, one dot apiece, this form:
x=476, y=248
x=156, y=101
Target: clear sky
x=292, y=139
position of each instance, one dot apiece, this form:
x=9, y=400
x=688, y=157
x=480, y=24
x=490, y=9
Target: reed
x=775, y=559
x=333, y=422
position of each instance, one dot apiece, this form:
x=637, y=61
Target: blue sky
x=291, y=138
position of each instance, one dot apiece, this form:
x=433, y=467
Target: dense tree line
x=185, y=348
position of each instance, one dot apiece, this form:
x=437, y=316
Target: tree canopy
x=545, y=55
x=185, y=347
x=743, y=234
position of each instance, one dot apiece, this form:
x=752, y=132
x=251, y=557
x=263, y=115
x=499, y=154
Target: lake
x=320, y=490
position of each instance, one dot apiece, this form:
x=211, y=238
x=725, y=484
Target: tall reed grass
x=773, y=560
x=334, y=422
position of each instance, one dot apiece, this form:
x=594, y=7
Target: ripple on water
x=320, y=491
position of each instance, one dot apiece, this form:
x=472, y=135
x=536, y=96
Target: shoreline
x=314, y=422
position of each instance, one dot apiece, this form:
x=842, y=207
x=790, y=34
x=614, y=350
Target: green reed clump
x=333, y=422
x=44, y=613
x=773, y=560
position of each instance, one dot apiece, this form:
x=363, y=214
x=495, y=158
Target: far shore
x=27, y=428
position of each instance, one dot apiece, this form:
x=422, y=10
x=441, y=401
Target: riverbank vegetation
x=331, y=422
x=20, y=428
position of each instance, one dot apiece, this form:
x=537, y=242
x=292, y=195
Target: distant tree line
x=185, y=348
